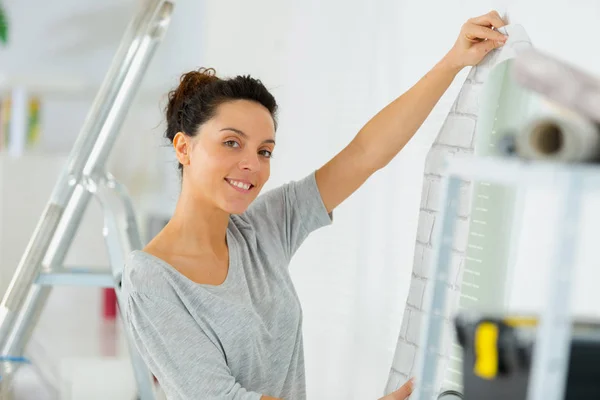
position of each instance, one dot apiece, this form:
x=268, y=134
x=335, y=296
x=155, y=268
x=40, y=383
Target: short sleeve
x=187, y=364
x=290, y=213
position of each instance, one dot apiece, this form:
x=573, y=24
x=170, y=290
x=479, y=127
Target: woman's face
x=228, y=162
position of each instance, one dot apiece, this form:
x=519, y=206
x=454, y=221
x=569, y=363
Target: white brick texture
x=404, y=326
x=423, y=269
x=425, y=192
x=468, y=100
x=418, y=260
x=455, y=139
x=457, y=131
x=395, y=380
x=415, y=293
x=414, y=327
x=436, y=159
x=433, y=202
x=480, y=74
x=406, y=359
x=425, y=227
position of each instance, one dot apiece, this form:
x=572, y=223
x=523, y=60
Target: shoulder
x=146, y=274
x=270, y=205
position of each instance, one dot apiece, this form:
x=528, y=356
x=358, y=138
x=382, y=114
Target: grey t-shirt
x=243, y=338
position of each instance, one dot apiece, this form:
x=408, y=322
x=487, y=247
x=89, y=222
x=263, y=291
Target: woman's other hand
x=402, y=393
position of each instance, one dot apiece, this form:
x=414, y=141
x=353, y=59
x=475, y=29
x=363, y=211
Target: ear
x=182, y=146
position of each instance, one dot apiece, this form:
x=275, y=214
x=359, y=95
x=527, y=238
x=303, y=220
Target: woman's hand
x=402, y=393
x=478, y=36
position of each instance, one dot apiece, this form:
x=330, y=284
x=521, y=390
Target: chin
x=236, y=207
x=236, y=204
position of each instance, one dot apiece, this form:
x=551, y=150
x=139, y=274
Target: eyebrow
x=242, y=134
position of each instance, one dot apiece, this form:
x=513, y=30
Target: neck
x=197, y=226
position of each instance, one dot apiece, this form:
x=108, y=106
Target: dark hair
x=201, y=92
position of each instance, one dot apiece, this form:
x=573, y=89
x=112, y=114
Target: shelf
x=69, y=86
x=521, y=173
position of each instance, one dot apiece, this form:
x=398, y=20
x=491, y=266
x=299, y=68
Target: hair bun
x=190, y=83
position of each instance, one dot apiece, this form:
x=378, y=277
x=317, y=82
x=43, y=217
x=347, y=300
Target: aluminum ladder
x=84, y=176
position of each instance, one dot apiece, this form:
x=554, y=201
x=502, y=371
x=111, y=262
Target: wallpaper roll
x=463, y=134
x=565, y=137
x=567, y=127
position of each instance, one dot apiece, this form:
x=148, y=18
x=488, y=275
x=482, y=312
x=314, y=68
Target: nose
x=250, y=162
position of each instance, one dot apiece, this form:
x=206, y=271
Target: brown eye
x=266, y=153
x=231, y=143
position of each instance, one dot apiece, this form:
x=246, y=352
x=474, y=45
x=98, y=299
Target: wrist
x=448, y=65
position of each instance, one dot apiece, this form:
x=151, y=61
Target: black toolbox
x=497, y=354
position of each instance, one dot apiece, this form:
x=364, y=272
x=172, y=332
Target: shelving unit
x=70, y=87
x=551, y=352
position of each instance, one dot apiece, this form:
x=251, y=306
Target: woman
x=210, y=303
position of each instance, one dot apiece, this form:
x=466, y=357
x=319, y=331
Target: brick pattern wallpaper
x=455, y=139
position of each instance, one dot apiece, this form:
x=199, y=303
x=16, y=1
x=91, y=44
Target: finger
x=490, y=19
x=405, y=390
x=487, y=46
x=474, y=32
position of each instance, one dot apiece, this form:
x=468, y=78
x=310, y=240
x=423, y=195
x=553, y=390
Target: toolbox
x=497, y=357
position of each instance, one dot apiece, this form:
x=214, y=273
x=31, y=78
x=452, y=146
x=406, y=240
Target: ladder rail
x=24, y=319
x=121, y=236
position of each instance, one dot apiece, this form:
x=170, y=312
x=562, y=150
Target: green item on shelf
x=3, y=25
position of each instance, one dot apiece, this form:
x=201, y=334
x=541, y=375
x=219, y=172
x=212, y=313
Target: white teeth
x=241, y=185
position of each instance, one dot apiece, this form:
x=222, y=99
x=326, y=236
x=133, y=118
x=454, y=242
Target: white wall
x=332, y=65
x=347, y=61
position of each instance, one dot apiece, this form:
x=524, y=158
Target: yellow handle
x=486, y=350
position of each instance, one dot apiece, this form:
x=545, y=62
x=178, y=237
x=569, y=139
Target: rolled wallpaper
x=563, y=137
x=565, y=127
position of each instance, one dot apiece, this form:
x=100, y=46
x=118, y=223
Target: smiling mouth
x=241, y=186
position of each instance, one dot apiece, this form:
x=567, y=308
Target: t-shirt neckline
x=231, y=268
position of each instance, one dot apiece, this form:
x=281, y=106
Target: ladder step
x=14, y=359
x=76, y=277
x=10, y=360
